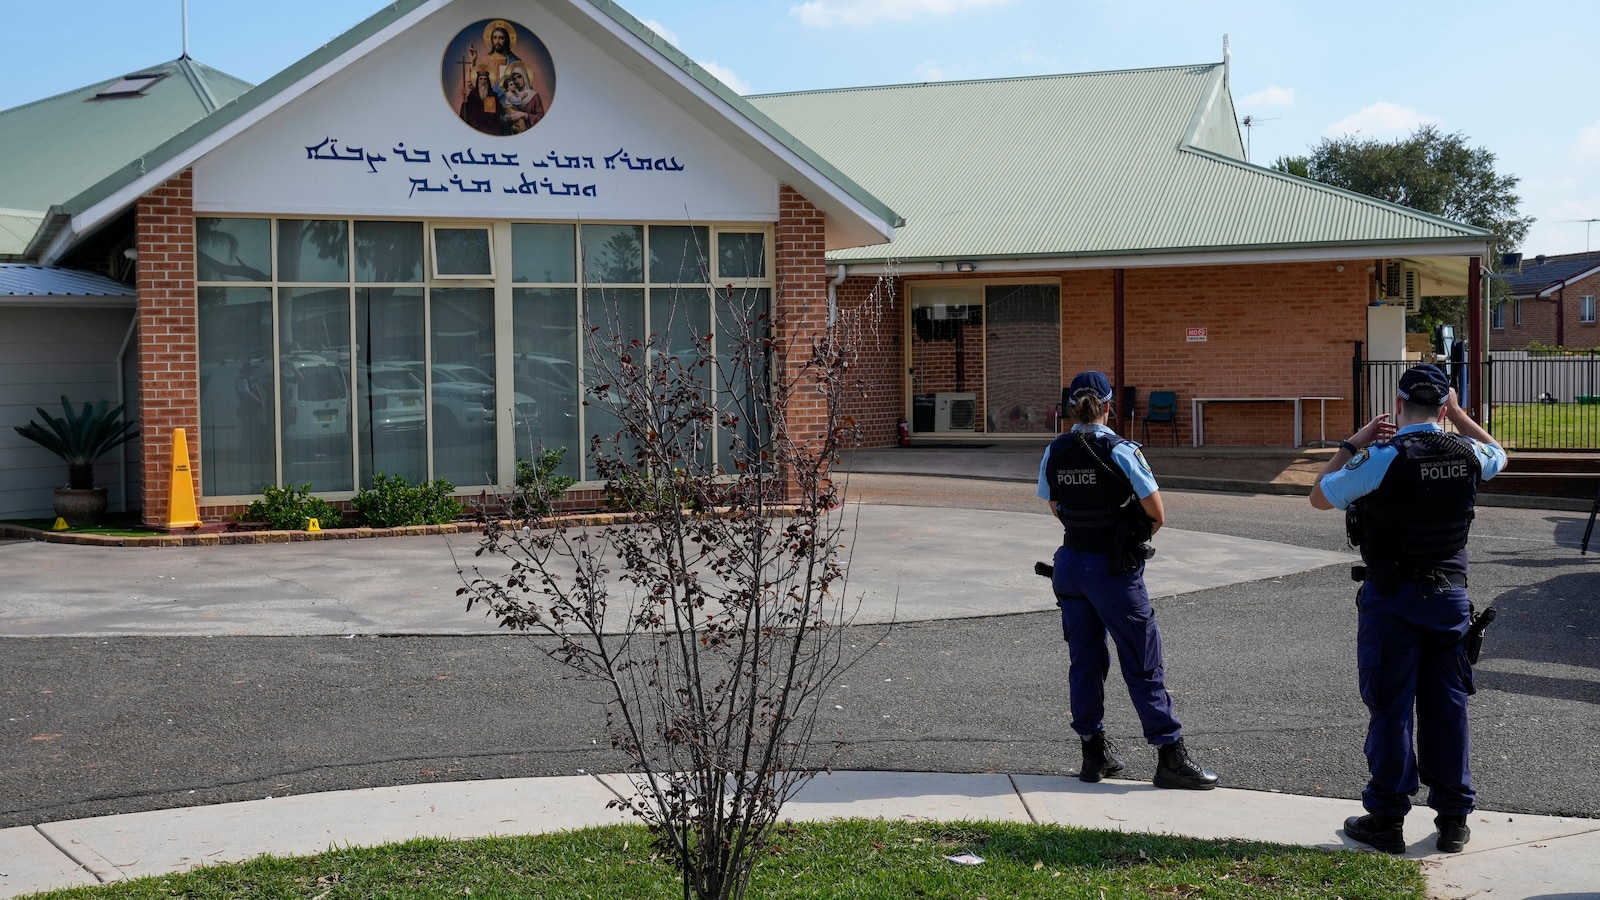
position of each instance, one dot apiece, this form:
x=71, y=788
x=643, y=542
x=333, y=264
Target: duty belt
x=1438, y=580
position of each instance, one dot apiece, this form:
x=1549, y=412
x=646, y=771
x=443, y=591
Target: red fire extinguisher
x=905, y=432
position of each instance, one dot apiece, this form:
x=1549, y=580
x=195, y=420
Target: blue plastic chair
x=1163, y=408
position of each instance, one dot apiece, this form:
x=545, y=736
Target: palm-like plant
x=80, y=438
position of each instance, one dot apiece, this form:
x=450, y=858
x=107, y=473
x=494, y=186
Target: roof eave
x=1174, y=256
x=861, y=219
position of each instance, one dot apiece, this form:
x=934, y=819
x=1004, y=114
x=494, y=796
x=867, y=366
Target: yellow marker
x=181, y=511
x=60, y=525
x=313, y=525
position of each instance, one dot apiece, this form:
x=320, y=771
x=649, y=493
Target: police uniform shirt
x=1364, y=472
x=1126, y=455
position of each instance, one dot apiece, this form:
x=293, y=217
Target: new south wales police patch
x=1139, y=455
x=1356, y=461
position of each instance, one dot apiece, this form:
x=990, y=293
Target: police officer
x=1410, y=493
x=1101, y=489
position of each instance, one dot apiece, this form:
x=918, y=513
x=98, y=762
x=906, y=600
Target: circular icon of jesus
x=498, y=77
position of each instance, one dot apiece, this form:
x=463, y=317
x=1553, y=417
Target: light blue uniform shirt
x=1364, y=472
x=1126, y=455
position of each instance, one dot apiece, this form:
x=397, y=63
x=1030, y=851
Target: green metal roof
x=1132, y=162
x=181, y=145
x=54, y=149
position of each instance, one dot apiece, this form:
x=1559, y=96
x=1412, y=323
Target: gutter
x=833, y=294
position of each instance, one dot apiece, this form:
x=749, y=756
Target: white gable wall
x=392, y=105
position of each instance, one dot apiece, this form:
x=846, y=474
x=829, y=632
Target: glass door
x=985, y=358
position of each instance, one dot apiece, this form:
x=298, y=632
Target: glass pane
x=744, y=324
x=389, y=251
x=679, y=254
x=464, y=398
x=677, y=319
x=618, y=313
x=613, y=254
x=1022, y=353
x=544, y=339
x=313, y=250
x=236, y=391
x=314, y=372
x=543, y=254
x=389, y=410
x=742, y=255
x=233, y=249
x=462, y=251
x=947, y=357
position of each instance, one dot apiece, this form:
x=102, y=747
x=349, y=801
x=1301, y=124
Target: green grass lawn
x=110, y=528
x=846, y=859
x=1546, y=426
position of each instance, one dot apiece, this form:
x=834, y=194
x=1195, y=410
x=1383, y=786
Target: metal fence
x=1536, y=401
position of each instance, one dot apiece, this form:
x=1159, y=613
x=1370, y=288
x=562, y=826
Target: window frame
x=432, y=249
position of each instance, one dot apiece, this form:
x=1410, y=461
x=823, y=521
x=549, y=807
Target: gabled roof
x=56, y=148
x=23, y=280
x=1545, y=275
x=854, y=216
x=1145, y=161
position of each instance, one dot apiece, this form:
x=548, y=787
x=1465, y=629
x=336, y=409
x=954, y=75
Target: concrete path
x=1510, y=856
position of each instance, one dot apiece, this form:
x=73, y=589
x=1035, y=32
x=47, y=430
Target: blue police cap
x=1424, y=384
x=1091, y=381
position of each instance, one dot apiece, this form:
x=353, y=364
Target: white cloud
x=1272, y=96
x=1587, y=146
x=662, y=30
x=1380, y=121
x=726, y=76
x=826, y=13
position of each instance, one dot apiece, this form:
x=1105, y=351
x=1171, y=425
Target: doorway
x=985, y=358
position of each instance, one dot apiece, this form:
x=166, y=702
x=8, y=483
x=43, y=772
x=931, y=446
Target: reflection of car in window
x=316, y=399
x=463, y=397
x=392, y=397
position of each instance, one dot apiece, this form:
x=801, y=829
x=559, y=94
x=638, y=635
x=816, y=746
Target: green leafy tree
x=1431, y=172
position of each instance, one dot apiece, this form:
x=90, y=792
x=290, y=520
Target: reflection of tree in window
x=389, y=251
x=613, y=254
x=327, y=240
x=219, y=249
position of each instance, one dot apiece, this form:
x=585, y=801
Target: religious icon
x=499, y=77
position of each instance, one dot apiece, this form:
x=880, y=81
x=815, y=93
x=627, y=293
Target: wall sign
x=503, y=85
x=1195, y=335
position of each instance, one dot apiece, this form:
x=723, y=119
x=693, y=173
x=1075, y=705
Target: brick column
x=169, y=366
x=800, y=304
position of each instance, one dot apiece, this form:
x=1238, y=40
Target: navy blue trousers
x=1093, y=604
x=1409, y=653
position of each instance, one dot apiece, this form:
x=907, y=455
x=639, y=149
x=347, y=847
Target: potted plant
x=80, y=439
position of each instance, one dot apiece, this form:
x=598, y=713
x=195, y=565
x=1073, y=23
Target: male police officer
x=1101, y=490
x=1410, y=494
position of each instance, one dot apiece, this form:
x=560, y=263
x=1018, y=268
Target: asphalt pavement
x=147, y=686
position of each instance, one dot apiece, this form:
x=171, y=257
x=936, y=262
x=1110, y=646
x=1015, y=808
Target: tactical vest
x=1091, y=492
x=1418, y=519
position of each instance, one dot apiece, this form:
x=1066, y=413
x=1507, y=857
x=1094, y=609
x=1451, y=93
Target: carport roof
x=25, y=280
x=1145, y=161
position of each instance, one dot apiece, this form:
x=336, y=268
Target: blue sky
x=1517, y=78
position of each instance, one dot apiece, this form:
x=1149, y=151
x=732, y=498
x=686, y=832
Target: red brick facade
x=1275, y=330
x=801, y=302
x=169, y=366
x=1538, y=319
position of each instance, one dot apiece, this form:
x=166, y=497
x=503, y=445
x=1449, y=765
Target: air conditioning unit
x=1402, y=286
x=955, y=412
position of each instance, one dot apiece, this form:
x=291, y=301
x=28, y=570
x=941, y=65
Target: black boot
x=1099, y=759
x=1174, y=769
x=1453, y=833
x=1384, y=833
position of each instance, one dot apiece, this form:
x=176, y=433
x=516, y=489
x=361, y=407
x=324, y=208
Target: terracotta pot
x=81, y=508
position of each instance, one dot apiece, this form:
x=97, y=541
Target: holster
x=1130, y=543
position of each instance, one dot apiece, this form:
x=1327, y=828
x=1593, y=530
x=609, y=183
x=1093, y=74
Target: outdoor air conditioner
x=1402, y=286
x=955, y=412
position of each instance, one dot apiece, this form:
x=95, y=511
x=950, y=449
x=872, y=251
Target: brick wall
x=169, y=369
x=800, y=305
x=1539, y=320
x=1272, y=330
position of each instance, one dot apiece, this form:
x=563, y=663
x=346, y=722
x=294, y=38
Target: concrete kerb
x=1510, y=856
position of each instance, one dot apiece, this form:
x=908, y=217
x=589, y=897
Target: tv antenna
x=1250, y=122
x=1587, y=224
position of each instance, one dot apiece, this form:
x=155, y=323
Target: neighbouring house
x=330, y=274
x=1551, y=302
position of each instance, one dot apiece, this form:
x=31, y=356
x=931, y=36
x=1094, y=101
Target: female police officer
x=1102, y=491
